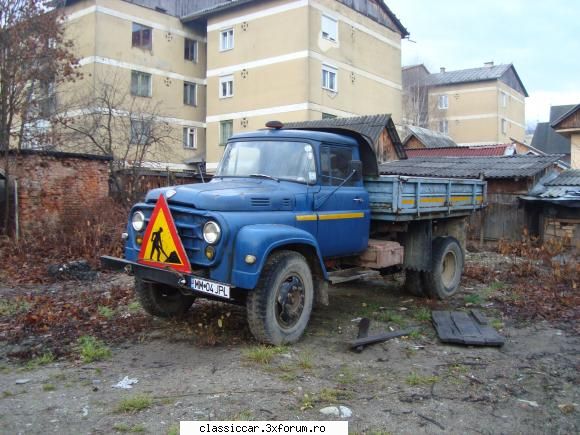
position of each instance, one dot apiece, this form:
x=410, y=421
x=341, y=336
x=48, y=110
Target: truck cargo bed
x=401, y=198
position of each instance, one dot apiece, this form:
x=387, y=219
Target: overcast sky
x=541, y=39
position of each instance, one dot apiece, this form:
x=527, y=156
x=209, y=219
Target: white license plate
x=210, y=287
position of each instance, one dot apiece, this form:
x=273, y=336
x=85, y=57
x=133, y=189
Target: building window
x=190, y=138
x=328, y=116
x=226, y=39
x=190, y=51
x=226, y=131
x=329, y=27
x=142, y=36
x=140, y=132
x=329, y=78
x=504, y=126
x=504, y=99
x=189, y=94
x=140, y=84
x=226, y=86
x=443, y=102
x=444, y=127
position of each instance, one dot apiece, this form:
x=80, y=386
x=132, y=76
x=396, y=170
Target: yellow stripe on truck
x=442, y=199
x=330, y=216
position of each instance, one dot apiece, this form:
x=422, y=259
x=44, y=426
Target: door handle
x=358, y=200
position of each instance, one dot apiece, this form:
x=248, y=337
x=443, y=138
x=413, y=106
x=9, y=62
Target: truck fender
x=260, y=240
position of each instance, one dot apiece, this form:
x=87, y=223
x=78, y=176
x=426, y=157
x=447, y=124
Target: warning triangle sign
x=162, y=246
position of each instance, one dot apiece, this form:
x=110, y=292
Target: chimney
x=490, y=63
x=442, y=69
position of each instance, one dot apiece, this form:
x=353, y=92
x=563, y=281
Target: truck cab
x=282, y=206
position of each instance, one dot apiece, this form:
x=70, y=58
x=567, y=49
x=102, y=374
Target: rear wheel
x=279, y=307
x=443, y=280
x=160, y=300
x=414, y=283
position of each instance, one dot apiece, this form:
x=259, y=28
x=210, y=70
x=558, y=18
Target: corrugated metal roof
x=467, y=75
x=563, y=192
x=429, y=138
x=471, y=167
x=480, y=151
x=570, y=177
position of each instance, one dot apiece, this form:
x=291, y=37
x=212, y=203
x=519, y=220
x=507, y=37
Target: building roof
x=574, y=109
x=370, y=126
x=479, y=151
x=473, y=167
x=429, y=138
x=366, y=8
x=546, y=138
x=506, y=73
x=570, y=177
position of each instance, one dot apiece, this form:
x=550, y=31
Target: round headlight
x=211, y=232
x=138, y=221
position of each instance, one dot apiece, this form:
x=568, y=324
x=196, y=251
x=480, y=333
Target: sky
x=541, y=39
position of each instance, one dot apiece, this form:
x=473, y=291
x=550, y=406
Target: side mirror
x=356, y=167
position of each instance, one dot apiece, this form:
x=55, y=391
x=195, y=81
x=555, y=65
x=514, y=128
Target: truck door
x=344, y=216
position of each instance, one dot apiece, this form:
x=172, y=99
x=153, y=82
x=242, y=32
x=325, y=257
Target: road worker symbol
x=162, y=246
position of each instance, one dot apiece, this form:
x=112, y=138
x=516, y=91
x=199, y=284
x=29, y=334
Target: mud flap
x=465, y=328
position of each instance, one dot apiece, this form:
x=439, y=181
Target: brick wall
x=55, y=186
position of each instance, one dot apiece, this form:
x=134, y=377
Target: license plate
x=210, y=287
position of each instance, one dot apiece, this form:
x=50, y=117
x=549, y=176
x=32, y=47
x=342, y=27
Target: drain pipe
x=16, y=214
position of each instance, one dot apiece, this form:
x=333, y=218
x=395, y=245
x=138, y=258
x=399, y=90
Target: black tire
x=414, y=283
x=279, y=307
x=446, y=268
x=162, y=301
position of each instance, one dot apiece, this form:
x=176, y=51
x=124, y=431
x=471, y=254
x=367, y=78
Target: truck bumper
x=186, y=283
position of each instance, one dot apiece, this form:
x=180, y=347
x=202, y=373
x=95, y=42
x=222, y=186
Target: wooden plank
x=379, y=338
x=465, y=328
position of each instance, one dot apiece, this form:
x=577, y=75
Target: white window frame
x=327, y=70
x=190, y=138
x=229, y=122
x=226, y=43
x=326, y=23
x=444, y=126
x=229, y=90
x=504, y=126
x=504, y=99
x=185, y=83
x=195, y=45
x=443, y=101
x=141, y=135
x=138, y=87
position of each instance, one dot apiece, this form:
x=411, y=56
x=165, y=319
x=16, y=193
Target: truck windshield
x=279, y=160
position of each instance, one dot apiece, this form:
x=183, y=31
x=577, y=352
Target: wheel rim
x=290, y=299
x=449, y=269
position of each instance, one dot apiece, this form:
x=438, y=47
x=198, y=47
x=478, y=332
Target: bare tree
x=107, y=119
x=34, y=57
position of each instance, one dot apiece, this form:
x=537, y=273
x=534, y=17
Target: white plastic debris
x=22, y=381
x=85, y=411
x=125, y=383
x=337, y=411
x=532, y=403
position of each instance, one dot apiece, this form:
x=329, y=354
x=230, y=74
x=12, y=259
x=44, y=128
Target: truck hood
x=238, y=194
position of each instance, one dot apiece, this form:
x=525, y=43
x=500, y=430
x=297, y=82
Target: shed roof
x=429, y=138
x=370, y=126
x=479, y=151
x=568, y=113
x=472, y=167
x=481, y=74
x=570, y=177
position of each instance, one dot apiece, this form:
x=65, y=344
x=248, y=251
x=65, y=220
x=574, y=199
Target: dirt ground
x=207, y=367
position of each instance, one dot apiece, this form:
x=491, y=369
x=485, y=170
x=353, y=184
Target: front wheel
x=162, y=301
x=443, y=280
x=279, y=307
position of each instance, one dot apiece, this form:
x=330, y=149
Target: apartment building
x=217, y=67
x=476, y=106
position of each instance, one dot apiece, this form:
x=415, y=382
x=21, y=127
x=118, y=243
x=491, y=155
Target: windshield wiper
x=269, y=177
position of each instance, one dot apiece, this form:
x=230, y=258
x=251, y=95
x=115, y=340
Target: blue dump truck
x=288, y=213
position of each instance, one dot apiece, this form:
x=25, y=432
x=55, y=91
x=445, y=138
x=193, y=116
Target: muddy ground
x=207, y=367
